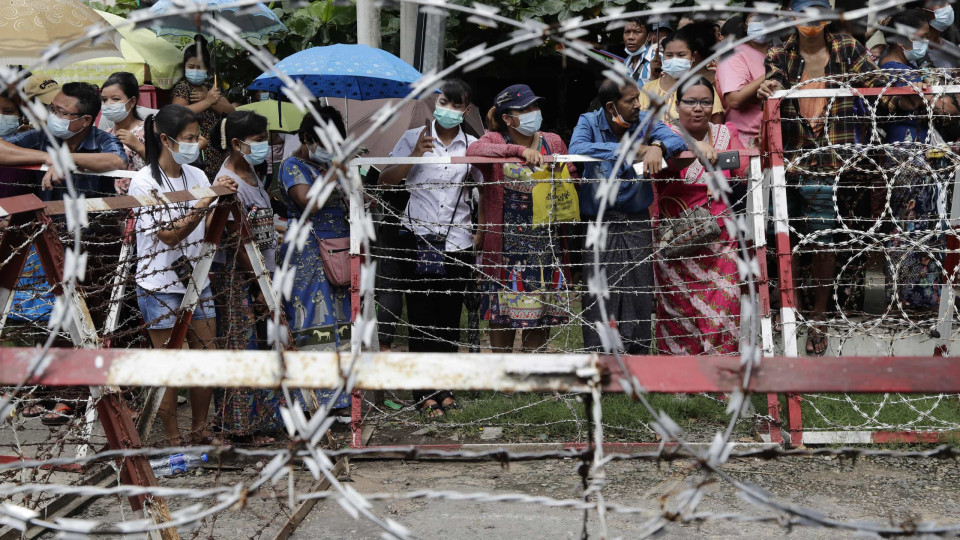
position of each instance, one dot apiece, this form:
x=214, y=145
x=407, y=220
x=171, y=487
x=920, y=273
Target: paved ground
x=892, y=490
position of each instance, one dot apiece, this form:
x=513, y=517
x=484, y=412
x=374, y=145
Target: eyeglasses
x=60, y=112
x=692, y=103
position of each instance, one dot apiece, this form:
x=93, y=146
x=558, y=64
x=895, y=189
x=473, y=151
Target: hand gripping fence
x=589, y=375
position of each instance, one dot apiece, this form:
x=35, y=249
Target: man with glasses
x=71, y=114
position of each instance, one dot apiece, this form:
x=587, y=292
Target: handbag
x=335, y=255
x=687, y=232
x=432, y=247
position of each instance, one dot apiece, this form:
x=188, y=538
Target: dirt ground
x=890, y=490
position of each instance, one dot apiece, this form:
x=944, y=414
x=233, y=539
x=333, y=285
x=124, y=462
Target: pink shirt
x=738, y=70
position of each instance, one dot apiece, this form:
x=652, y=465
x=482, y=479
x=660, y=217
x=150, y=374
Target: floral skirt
x=532, y=290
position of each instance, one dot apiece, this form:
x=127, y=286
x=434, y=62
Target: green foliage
x=120, y=8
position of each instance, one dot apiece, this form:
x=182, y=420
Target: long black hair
x=128, y=85
x=307, y=131
x=170, y=120
x=191, y=51
x=237, y=125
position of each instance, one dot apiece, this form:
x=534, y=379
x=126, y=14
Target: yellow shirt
x=670, y=113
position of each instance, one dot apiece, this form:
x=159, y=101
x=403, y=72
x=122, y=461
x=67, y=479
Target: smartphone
x=728, y=160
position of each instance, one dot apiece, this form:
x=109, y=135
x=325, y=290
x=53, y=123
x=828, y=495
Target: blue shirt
x=594, y=137
x=96, y=142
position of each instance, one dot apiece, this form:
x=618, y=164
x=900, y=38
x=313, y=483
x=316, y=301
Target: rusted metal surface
x=123, y=202
x=484, y=371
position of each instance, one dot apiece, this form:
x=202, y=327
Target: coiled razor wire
x=305, y=434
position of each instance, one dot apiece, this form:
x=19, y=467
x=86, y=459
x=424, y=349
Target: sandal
x=60, y=415
x=33, y=411
x=453, y=407
x=434, y=410
x=816, y=339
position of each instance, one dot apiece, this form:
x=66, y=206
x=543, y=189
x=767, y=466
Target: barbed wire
x=304, y=432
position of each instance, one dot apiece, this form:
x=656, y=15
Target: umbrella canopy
x=255, y=21
x=356, y=72
x=286, y=117
x=414, y=114
x=148, y=57
x=29, y=29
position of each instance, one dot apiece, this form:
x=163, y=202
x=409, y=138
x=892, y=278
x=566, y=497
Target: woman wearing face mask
x=683, y=50
x=739, y=76
x=526, y=264
x=698, y=308
x=318, y=312
x=120, y=95
x=437, y=239
x=246, y=415
x=169, y=241
x=196, y=94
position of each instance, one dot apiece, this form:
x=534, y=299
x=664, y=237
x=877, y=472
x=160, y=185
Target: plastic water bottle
x=177, y=463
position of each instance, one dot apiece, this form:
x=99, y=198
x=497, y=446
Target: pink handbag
x=335, y=254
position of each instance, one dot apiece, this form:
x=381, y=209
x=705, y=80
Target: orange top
x=813, y=109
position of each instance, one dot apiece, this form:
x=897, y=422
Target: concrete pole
x=408, y=31
x=434, y=40
x=368, y=23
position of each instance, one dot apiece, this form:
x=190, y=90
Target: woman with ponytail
x=169, y=241
x=525, y=262
x=246, y=415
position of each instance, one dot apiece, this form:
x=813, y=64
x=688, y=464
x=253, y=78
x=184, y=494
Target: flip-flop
x=60, y=415
x=33, y=411
x=427, y=411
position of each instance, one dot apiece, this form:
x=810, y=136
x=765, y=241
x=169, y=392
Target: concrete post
x=408, y=31
x=368, y=23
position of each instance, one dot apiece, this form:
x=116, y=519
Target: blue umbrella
x=255, y=21
x=349, y=71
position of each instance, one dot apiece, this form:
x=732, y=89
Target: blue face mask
x=321, y=156
x=755, y=32
x=918, y=51
x=529, y=122
x=188, y=152
x=942, y=18
x=448, y=118
x=196, y=76
x=60, y=127
x=258, y=152
x=676, y=67
x=264, y=96
x=8, y=124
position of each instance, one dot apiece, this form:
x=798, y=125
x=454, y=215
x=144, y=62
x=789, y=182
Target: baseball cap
x=518, y=96
x=800, y=5
x=41, y=88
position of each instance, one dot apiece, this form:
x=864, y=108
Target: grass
x=899, y=411
x=547, y=417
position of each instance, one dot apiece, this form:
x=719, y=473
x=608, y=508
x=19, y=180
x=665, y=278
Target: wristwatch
x=659, y=144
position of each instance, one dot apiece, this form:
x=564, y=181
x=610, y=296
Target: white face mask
x=756, y=33
x=676, y=67
x=8, y=124
x=115, y=112
x=943, y=18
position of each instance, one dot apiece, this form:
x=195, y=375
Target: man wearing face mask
x=70, y=122
x=940, y=15
x=627, y=255
x=638, y=50
x=739, y=76
x=803, y=61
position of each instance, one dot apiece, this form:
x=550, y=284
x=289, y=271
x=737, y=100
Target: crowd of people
x=447, y=237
